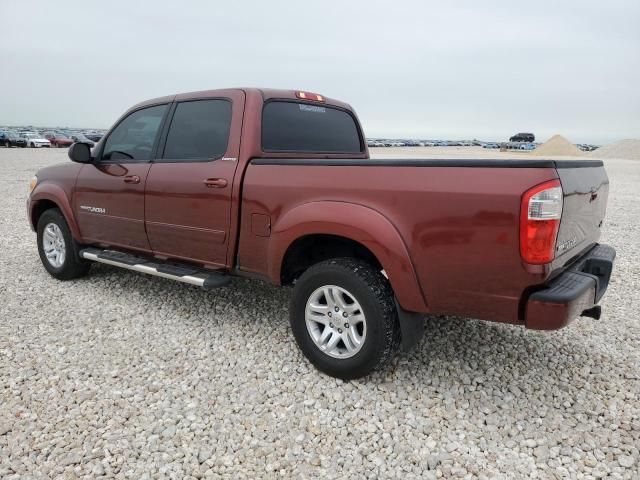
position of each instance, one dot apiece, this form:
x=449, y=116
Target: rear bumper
x=577, y=289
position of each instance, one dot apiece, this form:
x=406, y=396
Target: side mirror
x=80, y=152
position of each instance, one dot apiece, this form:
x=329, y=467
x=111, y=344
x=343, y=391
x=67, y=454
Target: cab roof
x=265, y=93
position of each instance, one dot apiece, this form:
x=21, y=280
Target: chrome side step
x=180, y=272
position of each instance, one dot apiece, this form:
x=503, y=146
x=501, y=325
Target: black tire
x=33, y=145
x=72, y=266
x=373, y=292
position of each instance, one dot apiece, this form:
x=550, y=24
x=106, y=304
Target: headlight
x=33, y=183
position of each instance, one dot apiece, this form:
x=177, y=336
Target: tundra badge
x=91, y=209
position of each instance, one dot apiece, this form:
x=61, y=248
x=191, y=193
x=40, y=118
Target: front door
x=189, y=187
x=109, y=193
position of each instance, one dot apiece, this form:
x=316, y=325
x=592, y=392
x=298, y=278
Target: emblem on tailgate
x=567, y=244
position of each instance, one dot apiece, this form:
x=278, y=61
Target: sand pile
x=558, y=145
x=628, y=149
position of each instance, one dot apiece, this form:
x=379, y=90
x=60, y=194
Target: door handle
x=132, y=179
x=215, y=182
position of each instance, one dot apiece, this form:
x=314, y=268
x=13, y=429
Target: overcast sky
x=418, y=69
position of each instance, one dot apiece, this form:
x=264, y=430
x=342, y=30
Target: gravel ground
x=129, y=376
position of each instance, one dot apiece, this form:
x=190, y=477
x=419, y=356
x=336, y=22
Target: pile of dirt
x=558, y=145
x=628, y=149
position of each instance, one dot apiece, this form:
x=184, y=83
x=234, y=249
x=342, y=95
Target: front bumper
x=568, y=295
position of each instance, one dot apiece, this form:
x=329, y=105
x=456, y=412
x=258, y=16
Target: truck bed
x=458, y=218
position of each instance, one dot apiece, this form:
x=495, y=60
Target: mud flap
x=411, y=327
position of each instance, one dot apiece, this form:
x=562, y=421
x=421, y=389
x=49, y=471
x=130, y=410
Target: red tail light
x=540, y=214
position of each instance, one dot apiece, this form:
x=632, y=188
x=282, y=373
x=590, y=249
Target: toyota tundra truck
x=278, y=185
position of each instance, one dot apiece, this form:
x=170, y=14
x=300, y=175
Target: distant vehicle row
x=50, y=138
x=423, y=143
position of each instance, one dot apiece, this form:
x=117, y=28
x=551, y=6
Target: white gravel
x=128, y=376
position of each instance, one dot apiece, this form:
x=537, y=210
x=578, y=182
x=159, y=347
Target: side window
x=133, y=138
x=199, y=131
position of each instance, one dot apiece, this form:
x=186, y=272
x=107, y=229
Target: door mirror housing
x=80, y=152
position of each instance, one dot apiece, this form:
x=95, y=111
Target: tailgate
x=585, y=187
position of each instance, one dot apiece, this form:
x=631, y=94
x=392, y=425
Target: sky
x=411, y=69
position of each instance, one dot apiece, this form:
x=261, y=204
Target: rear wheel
x=58, y=251
x=344, y=319
x=7, y=144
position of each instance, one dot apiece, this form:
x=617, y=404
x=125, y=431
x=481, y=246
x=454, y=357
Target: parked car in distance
x=35, y=140
x=490, y=145
x=523, y=137
x=12, y=139
x=93, y=136
x=58, y=139
x=79, y=137
x=586, y=147
x=278, y=185
x=527, y=146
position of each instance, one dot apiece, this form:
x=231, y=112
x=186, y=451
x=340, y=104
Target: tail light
x=540, y=214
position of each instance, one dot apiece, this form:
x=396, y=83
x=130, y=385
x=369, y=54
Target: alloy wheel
x=53, y=245
x=335, y=321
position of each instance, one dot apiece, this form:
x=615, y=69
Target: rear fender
x=55, y=194
x=355, y=222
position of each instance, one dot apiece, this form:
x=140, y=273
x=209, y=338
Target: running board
x=180, y=272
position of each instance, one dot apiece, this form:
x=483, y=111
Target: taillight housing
x=540, y=213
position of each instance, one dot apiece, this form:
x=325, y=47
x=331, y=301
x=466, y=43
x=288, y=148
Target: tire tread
x=380, y=290
x=74, y=266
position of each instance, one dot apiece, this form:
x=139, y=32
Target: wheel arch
x=50, y=196
x=369, y=234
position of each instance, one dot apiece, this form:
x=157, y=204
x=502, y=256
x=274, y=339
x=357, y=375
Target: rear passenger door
x=189, y=187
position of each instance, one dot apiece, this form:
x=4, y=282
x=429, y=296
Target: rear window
x=301, y=127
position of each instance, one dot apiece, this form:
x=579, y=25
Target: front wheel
x=344, y=318
x=58, y=251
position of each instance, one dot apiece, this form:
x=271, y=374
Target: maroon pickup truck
x=278, y=185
